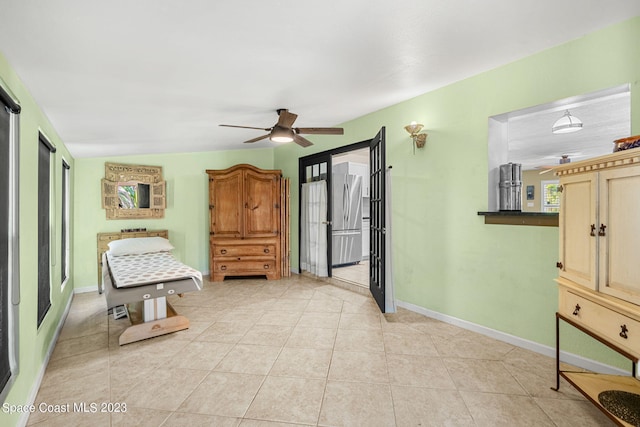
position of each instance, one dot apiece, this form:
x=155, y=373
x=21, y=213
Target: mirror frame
x=116, y=173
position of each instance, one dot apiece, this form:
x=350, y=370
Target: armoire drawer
x=242, y=267
x=244, y=250
x=611, y=325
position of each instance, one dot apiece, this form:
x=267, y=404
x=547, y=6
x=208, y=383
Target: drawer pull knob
x=223, y=251
x=266, y=251
x=266, y=266
x=577, y=310
x=623, y=331
x=223, y=267
x=593, y=229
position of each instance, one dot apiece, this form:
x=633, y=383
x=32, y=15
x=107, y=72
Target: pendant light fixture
x=567, y=124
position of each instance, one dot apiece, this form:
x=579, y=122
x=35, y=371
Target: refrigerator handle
x=345, y=205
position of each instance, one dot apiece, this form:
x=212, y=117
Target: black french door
x=377, y=232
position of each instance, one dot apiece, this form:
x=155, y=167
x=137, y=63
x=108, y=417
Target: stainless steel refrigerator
x=347, y=219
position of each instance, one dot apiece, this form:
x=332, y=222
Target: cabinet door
x=578, y=215
x=619, y=246
x=225, y=196
x=262, y=204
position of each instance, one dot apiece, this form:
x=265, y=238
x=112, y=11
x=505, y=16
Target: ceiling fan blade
x=301, y=141
x=286, y=118
x=320, y=131
x=246, y=127
x=257, y=139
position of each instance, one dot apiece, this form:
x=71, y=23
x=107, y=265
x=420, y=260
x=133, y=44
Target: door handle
x=326, y=222
x=602, y=230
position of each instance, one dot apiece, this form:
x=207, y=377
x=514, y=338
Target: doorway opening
x=350, y=216
x=324, y=229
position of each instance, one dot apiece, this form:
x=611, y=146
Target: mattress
x=144, y=269
x=174, y=278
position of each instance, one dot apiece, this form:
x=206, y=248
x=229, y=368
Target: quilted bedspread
x=144, y=269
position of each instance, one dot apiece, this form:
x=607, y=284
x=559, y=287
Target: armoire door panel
x=619, y=229
x=577, y=241
x=262, y=210
x=227, y=206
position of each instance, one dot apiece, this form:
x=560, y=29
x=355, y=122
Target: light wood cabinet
x=599, y=227
x=599, y=272
x=245, y=222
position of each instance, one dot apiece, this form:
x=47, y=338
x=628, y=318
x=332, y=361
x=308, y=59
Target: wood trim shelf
x=591, y=385
x=543, y=219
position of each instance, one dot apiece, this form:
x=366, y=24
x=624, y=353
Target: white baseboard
x=570, y=358
x=33, y=393
x=85, y=289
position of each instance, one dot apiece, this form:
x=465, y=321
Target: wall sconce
x=419, y=139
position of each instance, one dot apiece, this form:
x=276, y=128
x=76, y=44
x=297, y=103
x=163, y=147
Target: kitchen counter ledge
x=543, y=219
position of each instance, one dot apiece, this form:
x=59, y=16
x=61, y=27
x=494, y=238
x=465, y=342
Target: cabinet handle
x=223, y=267
x=266, y=266
x=602, y=230
x=223, y=251
x=577, y=310
x=623, y=331
x=266, y=251
x=593, y=229
x=559, y=264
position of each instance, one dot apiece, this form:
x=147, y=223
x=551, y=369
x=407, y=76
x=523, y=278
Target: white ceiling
x=605, y=114
x=158, y=76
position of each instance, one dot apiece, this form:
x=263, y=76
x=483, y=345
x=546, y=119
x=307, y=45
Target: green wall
x=445, y=258
x=186, y=216
x=34, y=342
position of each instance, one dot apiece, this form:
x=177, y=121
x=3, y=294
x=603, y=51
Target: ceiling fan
x=283, y=131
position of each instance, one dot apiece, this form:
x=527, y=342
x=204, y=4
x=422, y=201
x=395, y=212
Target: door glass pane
x=323, y=170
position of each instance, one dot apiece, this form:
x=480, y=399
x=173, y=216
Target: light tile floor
x=298, y=352
x=357, y=274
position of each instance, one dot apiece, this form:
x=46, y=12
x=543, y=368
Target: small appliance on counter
x=510, y=187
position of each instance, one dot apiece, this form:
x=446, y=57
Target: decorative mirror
x=133, y=191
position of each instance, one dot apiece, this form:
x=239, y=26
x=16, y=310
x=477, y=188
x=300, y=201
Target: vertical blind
x=5, y=369
x=44, y=231
x=7, y=106
x=65, y=220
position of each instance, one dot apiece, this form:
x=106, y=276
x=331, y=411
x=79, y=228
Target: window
x=44, y=227
x=9, y=251
x=66, y=191
x=550, y=196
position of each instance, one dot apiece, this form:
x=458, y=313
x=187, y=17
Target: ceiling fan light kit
x=281, y=135
x=567, y=124
x=283, y=131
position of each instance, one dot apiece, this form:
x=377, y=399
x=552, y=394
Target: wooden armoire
x=247, y=218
